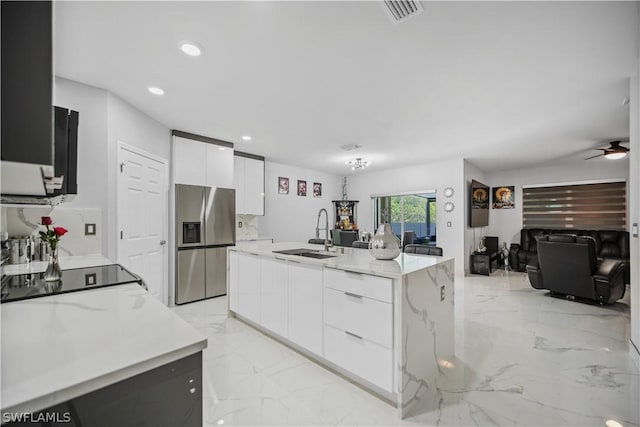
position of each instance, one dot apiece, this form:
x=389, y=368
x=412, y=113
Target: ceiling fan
x=615, y=151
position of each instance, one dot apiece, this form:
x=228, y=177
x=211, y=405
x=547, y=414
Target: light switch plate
x=239, y=224
x=448, y=223
x=634, y=229
x=89, y=229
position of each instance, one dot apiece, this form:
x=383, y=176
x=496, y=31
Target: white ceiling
x=505, y=84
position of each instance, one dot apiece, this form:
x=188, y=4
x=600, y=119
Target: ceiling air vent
x=401, y=10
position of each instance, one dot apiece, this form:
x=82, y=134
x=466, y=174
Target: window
x=587, y=206
x=413, y=212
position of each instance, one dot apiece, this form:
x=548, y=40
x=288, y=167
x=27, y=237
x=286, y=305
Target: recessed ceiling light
x=156, y=90
x=190, y=49
x=612, y=423
x=246, y=138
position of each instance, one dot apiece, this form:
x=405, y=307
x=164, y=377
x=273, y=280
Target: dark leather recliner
x=567, y=265
x=610, y=244
x=423, y=250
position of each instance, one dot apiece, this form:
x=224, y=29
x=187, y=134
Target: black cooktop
x=25, y=286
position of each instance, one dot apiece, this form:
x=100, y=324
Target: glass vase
x=53, y=273
x=384, y=244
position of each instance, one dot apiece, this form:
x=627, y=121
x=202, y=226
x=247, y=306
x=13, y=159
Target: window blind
x=581, y=207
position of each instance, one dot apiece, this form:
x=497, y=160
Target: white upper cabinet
x=201, y=163
x=190, y=162
x=219, y=166
x=249, y=184
x=238, y=173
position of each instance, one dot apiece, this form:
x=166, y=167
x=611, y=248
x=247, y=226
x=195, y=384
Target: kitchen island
x=386, y=325
x=106, y=356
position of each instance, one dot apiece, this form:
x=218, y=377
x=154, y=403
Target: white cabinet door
x=238, y=182
x=190, y=162
x=305, y=306
x=249, y=284
x=274, y=295
x=253, y=186
x=219, y=166
x=233, y=290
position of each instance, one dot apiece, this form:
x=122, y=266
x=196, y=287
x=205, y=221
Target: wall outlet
x=239, y=224
x=89, y=229
x=448, y=223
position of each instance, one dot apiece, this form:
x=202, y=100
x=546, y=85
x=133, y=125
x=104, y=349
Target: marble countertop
x=63, y=346
x=66, y=263
x=356, y=260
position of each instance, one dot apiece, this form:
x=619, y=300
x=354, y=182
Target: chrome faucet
x=326, y=228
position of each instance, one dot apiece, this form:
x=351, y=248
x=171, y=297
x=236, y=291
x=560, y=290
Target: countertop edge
x=259, y=251
x=42, y=402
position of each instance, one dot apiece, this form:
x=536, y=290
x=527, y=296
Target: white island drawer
x=364, y=358
x=380, y=288
x=366, y=317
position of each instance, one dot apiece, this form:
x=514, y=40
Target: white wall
x=104, y=120
x=507, y=223
x=91, y=103
x=634, y=207
x=292, y=218
x=472, y=236
x=432, y=176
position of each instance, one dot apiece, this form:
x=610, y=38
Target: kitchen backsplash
x=249, y=229
x=21, y=222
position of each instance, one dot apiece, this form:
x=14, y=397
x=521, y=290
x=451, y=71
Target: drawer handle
x=295, y=262
x=353, y=335
x=349, y=294
x=253, y=254
x=353, y=273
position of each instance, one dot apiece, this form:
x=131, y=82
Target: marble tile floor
x=523, y=358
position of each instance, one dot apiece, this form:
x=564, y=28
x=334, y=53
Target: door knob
x=163, y=242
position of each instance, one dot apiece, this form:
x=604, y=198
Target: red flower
x=60, y=231
x=46, y=220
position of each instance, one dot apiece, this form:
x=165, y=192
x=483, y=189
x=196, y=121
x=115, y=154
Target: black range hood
x=39, y=142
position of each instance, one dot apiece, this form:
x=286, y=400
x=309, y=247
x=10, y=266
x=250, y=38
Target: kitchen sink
x=309, y=253
x=316, y=255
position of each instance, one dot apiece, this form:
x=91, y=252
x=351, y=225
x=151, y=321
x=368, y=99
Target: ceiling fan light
x=615, y=156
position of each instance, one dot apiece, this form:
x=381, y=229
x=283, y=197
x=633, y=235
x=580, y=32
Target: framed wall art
x=317, y=189
x=504, y=197
x=283, y=185
x=302, y=188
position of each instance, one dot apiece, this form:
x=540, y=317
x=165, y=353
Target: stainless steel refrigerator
x=205, y=227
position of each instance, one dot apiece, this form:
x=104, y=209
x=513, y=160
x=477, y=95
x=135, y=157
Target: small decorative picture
x=504, y=197
x=283, y=185
x=317, y=189
x=302, y=188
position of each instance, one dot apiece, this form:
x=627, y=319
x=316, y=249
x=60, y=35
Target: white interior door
x=142, y=217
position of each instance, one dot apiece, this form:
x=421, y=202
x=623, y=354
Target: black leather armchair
x=609, y=244
x=568, y=265
x=423, y=250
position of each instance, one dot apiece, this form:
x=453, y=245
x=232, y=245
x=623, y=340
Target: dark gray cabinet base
x=170, y=396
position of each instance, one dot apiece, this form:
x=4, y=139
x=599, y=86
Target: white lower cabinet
x=274, y=296
x=345, y=318
x=249, y=286
x=358, y=325
x=364, y=358
x=305, y=306
x=362, y=316
x=233, y=291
